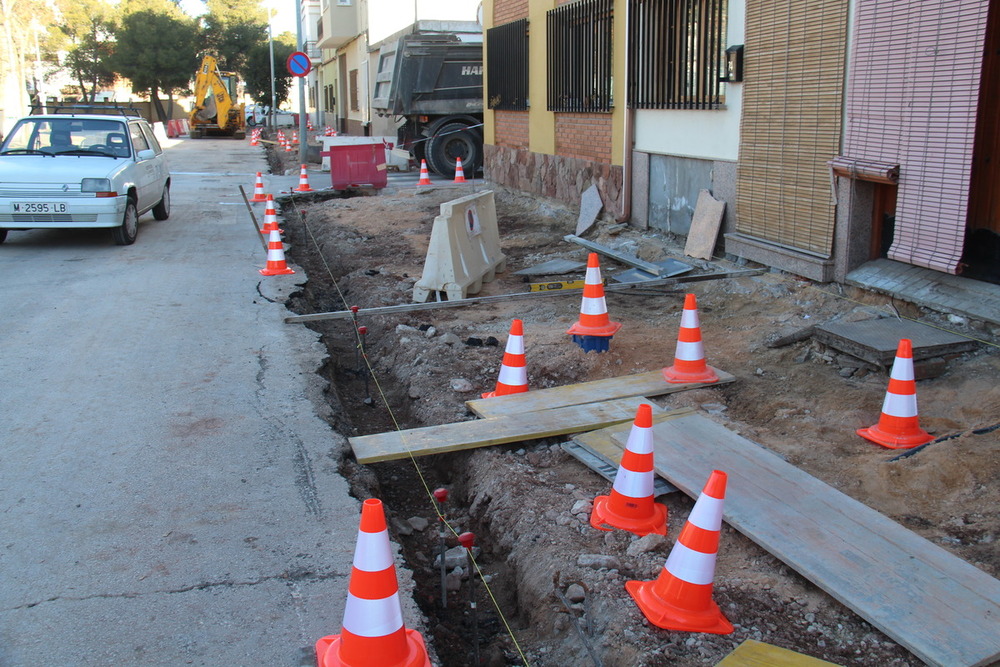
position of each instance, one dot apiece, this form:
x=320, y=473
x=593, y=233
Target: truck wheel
x=450, y=142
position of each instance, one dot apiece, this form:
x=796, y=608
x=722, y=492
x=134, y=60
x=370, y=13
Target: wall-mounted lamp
x=734, y=64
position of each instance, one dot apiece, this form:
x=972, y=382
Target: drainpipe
x=626, y=191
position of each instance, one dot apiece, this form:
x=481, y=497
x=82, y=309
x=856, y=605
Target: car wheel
x=450, y=142
x=129, y=229
x=162, y=210
x=3, y=235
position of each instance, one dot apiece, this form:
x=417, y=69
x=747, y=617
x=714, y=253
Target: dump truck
x=215, y=111
x=434, y=83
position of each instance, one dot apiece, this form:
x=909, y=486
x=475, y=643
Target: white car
x=73, y=170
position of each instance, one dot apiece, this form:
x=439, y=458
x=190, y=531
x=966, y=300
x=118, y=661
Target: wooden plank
x=484, y=432
x=752, y=653
x=650, y=383
x=704, y=226
x=939, y=607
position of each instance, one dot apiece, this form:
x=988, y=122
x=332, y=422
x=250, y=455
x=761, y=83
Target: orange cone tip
x=898, y=426
x=513, y=377
x=689, y=358
x=630, y=504
x=681, y=597
x=594, y=330
x=425, y=177
x=373, y=634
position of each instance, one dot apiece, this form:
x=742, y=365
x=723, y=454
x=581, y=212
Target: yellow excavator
x=215, y=110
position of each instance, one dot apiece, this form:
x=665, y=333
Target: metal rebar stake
x=467, y=540
x=441, y=496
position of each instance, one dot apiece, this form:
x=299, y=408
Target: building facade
x=836, y=131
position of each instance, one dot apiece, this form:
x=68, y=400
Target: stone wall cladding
x=511, y=128
x=509, y=10
x=556, y=176
x=584, y=135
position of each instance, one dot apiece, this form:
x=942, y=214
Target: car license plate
x=40, y=207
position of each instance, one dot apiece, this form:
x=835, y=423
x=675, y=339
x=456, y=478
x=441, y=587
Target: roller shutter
x=791, y=125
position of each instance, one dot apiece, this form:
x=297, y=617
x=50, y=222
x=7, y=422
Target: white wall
x=711, y=135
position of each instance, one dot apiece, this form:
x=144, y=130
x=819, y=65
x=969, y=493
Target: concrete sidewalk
x=169, y=492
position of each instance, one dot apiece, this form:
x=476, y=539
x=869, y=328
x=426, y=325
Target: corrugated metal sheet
x=912, y=99
x=791, y=126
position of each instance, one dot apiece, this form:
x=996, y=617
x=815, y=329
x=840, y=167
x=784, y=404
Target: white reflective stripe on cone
x=689, y=319
x=513, y=375
x=691, y=566
x=640, y=440
x=900, y=405
x=902, y=369
x=373, y=552
x=593, y=306
x=593, y=275
x=689, y=351
x=372, y=618
x=707, y=513
x=275, y=255
x=634, y=484
x=515, y=345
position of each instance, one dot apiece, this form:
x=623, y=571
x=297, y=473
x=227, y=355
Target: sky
x=284, y=20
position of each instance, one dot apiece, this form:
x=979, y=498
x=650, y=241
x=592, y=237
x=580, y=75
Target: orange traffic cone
x=254, y=138
x=303, y=181
x=630, y=505
x=425, y=177
x=288, y=146
x=258, y=189
x=295, y=136
x=689, y=357
x=459, y=172
x=513, y=373
x=373, y=633
x=899, y=427
x=681, y=597
x=270, y=218
x=275, y=257
x=594, y=330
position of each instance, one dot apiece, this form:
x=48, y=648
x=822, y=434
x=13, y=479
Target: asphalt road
x=168, y=494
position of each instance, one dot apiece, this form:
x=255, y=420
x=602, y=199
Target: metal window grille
x=507, y=66
x=579, y=56
x=676, y=52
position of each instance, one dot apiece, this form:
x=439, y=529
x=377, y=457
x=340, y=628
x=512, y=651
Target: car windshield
x=68, y=136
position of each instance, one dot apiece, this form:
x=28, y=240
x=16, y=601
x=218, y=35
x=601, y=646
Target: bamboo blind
x=912, y=99
x=791, y=125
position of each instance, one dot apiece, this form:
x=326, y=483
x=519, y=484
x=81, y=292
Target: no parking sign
x=298, y=64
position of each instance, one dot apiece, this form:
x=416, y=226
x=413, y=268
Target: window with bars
x=579, y=56
x=676, y=51
x=507, y=66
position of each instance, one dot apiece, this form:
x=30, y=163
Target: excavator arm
x=214, y=106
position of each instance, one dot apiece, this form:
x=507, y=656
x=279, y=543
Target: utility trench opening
x=559, y=583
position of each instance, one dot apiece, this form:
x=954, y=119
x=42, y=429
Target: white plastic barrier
x=464, y=250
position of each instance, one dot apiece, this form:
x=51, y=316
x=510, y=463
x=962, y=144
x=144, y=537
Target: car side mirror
x=147, y=154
